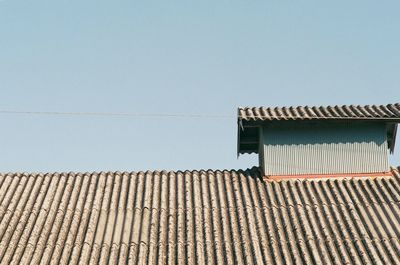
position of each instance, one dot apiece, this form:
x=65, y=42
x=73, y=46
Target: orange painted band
x=336, y=175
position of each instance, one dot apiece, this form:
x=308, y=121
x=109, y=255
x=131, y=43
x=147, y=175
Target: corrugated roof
x=197, y=217
x=390, y=111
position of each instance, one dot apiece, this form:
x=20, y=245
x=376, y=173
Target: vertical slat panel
x=325, y=150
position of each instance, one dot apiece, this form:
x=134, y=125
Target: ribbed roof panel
x=390, y=111
x=197, y=217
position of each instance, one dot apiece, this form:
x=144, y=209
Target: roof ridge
x=153, y=172
x=332, y=112
x=396, y=104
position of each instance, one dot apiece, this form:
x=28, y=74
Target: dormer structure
x=319, y=141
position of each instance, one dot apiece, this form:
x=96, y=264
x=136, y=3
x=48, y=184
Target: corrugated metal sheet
x=390, y=111
x=325, y=150
x=197, y=217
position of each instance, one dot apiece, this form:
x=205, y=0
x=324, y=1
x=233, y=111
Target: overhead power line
x=118, y=114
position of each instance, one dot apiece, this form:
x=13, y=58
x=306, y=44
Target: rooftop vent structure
x=332, y=140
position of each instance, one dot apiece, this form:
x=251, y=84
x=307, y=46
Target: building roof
x=351, y=112
x=251, y=118
x=198, y=217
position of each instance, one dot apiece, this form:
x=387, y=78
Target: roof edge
x=251, y=170
x=349, y=112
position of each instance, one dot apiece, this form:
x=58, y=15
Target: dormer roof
x=389, y=112
x=251, y=118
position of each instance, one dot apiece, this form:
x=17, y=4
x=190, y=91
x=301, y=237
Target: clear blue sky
x=206, y=57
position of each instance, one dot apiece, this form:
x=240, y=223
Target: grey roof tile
x=390, y=111
x=198, y=217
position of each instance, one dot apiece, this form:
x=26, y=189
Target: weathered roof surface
x=390, y=111
x=197, y=217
